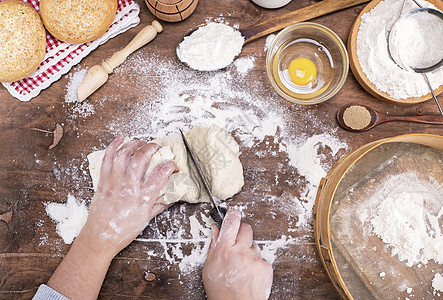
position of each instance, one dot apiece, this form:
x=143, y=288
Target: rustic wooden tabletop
x=31, y=175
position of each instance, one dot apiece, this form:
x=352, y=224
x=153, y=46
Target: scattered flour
x=269, y=39
x=244, y=64
x=258, y=120
x=408, y=219
x=374, y=57
x=76, y=77
x=437, y=283
x=69, y=217
x=211, y=47
x=306, y=158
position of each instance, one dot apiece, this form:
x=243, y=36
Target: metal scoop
x=272, y=25
x=429, y=66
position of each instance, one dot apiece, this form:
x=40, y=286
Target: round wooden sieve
x=353, y=268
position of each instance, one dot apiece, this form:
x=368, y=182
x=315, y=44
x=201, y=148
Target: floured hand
x=125, y=199
x=234, y=268
x=121, y=208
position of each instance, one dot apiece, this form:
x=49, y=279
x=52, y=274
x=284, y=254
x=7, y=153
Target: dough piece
x=77, y=21
x=22, y=40
x=216, y=151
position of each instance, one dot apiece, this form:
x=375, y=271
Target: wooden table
x=31, y=175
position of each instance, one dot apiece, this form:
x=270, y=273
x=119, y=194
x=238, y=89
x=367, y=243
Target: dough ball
x=77, y=21
x=217, y=153
x=22, y=40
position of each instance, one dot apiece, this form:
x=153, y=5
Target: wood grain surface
x=31, y=175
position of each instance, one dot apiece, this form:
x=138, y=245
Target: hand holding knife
x=217, y=213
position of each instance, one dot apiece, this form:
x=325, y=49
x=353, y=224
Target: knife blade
x=217, y=213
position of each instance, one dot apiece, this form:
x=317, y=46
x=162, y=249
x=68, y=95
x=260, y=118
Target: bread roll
x=77, y=21
x=22, y=40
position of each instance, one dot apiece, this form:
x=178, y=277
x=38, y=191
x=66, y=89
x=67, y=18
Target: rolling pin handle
x=95, y=78
x=107, y=67
x=157, y=26
x=145, y=35
x=98, y=74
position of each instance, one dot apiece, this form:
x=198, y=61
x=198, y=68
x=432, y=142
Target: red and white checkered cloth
x=61, y=57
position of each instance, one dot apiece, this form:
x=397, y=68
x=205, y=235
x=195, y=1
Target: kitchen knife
x=217, y=213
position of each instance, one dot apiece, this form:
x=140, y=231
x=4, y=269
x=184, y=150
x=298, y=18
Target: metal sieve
x=421, y=69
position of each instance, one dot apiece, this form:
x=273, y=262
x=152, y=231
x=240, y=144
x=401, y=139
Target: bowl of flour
x=372, y=64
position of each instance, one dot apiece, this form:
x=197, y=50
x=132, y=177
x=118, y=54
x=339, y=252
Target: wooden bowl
x=360, y=75
x=171, y=10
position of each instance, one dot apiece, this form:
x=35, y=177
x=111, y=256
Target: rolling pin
x=98, y=74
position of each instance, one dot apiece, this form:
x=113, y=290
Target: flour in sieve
x=408, y=217
x=374, y=57
x=415, y=41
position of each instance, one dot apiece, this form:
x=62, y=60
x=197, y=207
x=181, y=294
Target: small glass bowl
x=317, y=43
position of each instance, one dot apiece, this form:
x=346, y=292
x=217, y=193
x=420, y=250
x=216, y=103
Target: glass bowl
x=318, y=44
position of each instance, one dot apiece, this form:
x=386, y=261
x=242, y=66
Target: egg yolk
x=302, y=71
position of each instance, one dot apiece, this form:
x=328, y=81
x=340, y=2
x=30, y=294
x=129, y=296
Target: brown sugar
x=356, y=117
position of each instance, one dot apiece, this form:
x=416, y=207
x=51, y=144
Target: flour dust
x=287, y=169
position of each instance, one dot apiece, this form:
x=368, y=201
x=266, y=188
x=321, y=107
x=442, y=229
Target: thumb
x=215, y=233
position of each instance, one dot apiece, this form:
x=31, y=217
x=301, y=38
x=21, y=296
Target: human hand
x=125, y=199
x=234, y=268
x=121, y=208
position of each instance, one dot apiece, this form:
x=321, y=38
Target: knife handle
x=218, y=219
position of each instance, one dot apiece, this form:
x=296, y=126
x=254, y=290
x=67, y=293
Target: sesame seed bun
x=22, y=40
x=77, y=21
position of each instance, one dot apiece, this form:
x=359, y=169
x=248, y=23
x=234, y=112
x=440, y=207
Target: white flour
x=408, y=219
x=167, y=97
x=437, y=284
x=69, y=217
x=374, y=58
x=76, y=77
x=415, y=41
x=244, y=64
x=304, y=156
x=269, y=39
x=211, y=47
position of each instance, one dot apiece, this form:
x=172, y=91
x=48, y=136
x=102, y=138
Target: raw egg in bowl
x=307, y=63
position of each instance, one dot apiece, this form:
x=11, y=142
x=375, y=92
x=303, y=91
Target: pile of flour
x=211, y=47
x=69, y=217
x=374, y=57
x=408, y=218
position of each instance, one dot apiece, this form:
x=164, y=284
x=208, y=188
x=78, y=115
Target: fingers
x=245, y=235
x=140, y=161
x=215, y=233
x=123, y=156
x=230, y=228
x=158, y=208
x=156, y=180
x=108, y=159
